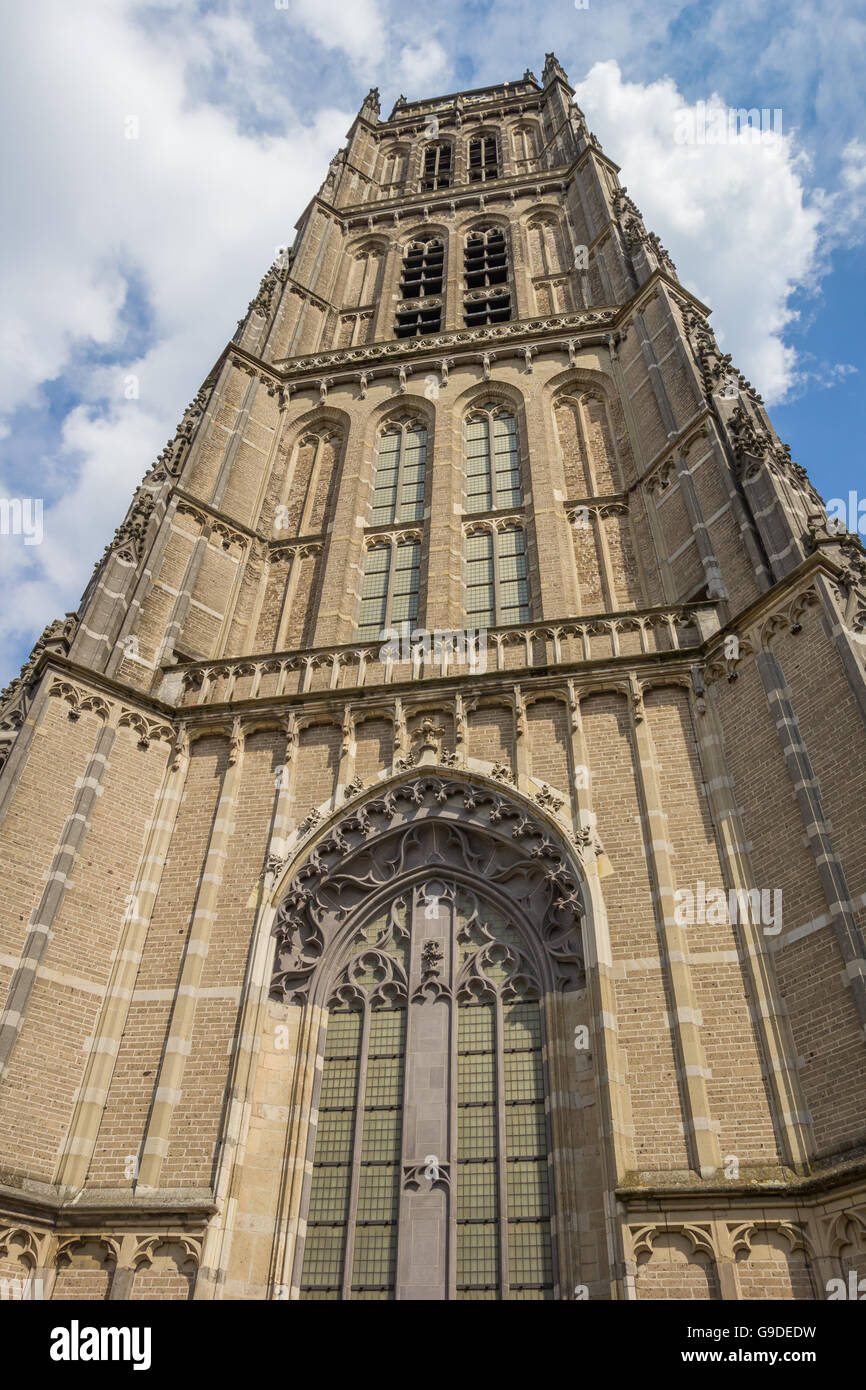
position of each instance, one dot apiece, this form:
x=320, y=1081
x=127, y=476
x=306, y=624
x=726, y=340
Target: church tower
x=431, y=856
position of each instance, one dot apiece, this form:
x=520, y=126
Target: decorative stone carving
x=399, y=836
x=548, y=799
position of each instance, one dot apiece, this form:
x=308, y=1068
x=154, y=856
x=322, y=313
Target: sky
x=157, y=154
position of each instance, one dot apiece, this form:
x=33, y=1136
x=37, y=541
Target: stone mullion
x=452, y=318
x=562, y=1171
x=180, y=1032
x=105, y=1043
x=258, y=548
x=588, y=470
x=312, y=487
x=522, y=765
x=791, y=1119
x=288, y=602
x=726, y=1263
x=711, y=567
x=605, y=567
x=685, y=1020
x=51, y=901
x=818, y=833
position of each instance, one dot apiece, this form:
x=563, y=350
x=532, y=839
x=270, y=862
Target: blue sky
x=125, y=263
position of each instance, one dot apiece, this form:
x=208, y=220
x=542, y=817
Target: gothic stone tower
x=392, y=841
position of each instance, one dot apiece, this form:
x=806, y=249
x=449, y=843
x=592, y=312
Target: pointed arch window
x=497, y=586
x=525, y=146
x=492, y=460
x=483, y=159
x=487, y=297
x=437, y=1008
x=422, y=277
x=390, y=587
x=437, y=169
x=401, y=470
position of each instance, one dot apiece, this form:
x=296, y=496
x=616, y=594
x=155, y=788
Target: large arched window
x=441, y=946
x=486, y=294
x=437, y=167
x=401, y=470
x=483, y=159
x=390, y=586
x=492, y=454
x=420, y=308
x=497, y=586
x=479, y=1068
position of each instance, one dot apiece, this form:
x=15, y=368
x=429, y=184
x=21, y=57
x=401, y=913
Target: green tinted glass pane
x=476, y=1131
x=478, y=1254
x=479, y=547
x=527, y=1188
x=523, y=1076
x=329, y=1194
x=378, y=1192
x=475, y=1027
x=378, y=559
x=477, y=1191
x=521, y=1024
x=339, y=1079
x=387, y=1030
x=343, y=1037
x=375, y=1255
x=512, y=542
x=323, y=1256
x=382, y=1133
x=334, y=1136
x=529, y=1253
x=384, y=1081
x=526, y=1129
x=512, y=567
x=476, y=1076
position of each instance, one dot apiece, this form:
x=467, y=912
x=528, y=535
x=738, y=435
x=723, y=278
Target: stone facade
x=210, y=775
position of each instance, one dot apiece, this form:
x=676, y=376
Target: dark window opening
x=414, y=323
x=423, y=268
x=486, y=268
x=437, y=167
x=483, y=159
x=485, y=261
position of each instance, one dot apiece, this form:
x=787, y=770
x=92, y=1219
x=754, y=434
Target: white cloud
x=735, y=216
x=356, y=29
x=422, y=65
x=191, y=211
